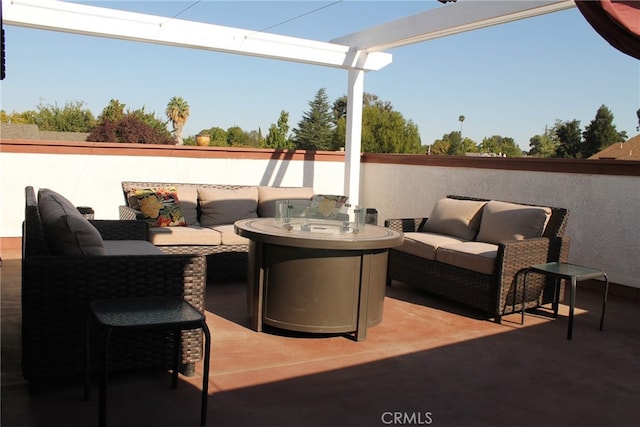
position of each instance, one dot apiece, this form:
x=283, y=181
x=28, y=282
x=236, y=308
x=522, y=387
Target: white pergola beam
x=447, y=20
x=103, y=22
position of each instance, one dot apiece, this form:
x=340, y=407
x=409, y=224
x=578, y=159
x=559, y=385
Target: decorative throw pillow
x=225, y=206
x=66, y=230
x=160, y=206
x=453, y=217
x=510, y=221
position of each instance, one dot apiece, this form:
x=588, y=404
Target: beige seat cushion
x=229, y=236
x=474, y=256
x=66, y=230
x=453, y=217
x=269, y=195
x=425, y=245
x=130, y=247
x=503, y=221
x=193, y=235
x=226, y=206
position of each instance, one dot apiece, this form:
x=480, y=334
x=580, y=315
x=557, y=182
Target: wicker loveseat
x=474, y=251
x=209, y=212
x=59, y=282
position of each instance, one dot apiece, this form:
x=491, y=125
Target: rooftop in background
x=629, y=150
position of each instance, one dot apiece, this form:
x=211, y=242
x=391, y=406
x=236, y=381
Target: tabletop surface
x=567, y=270
x=145, y=312
x=321, y=234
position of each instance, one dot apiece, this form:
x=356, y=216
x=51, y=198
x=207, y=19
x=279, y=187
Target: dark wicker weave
x=56, y=291
x=497, y=294
x=225, y=262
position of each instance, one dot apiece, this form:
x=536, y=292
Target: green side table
x=144, y=314
x=574, y=273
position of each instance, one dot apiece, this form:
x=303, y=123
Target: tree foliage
x=315, y=129
x=453, y=144
x=384, y=130
x=178, y=112
x=72, y=117
x=236, y=137
x=138, y=126
x=601, y=133
x=544, y=145
x=501, y=145
x=113, y=112
x=278, y=136
x=569, y=139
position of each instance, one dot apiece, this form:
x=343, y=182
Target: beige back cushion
x=188, y=200
x=269, y=195
x=225, y=206
x=66, y=230
x=509, y=221
x=453, y=217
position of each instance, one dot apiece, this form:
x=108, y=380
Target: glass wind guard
x=303, y=215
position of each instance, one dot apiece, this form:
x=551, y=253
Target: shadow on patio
x=429, y=361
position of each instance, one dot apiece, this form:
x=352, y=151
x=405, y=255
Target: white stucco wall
x=604, y=209
x=95, y=181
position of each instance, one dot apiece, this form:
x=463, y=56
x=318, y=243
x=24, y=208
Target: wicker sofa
x=474, y=251
x=68, y=262
x=209, y=212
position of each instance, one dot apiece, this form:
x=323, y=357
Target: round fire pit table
x=316, y=277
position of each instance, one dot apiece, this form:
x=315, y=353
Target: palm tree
x=461, y=119
x=178, y=113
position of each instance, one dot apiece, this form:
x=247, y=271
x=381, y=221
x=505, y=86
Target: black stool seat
x=145, y=314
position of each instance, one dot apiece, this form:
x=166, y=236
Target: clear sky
x=511, y=80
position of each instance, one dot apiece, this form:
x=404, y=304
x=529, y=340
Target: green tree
x=315, y=129
x=178, y=113
x=254, y=138
x=500, y=145
x=24, y=118
x=544, y=145
x=601, y=133
x=72, y=117
x=384, y=130
x=278, y=136
x=236, y=137
x=453, y=144
x=569, y=139
x=114, y=111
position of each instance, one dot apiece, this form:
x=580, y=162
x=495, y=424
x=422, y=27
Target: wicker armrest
x=128, y=213
x=113, y=229
x=56, y=292
x=515, y=255
x=405, y=225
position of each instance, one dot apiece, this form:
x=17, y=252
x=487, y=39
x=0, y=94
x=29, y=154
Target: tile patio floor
x=430, y=361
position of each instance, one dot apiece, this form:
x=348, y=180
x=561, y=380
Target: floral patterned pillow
x=160, y=206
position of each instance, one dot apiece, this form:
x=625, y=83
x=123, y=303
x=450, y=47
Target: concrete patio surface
x=430, y=362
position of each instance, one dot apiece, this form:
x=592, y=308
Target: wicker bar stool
x=144, y=314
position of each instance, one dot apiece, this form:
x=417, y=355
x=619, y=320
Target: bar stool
x=144, y=314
